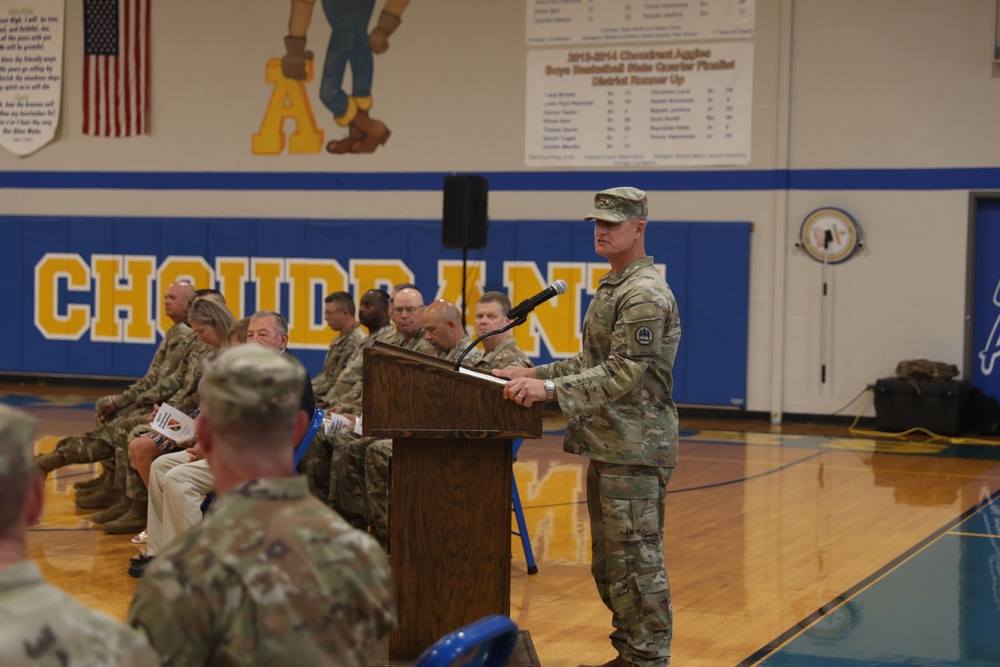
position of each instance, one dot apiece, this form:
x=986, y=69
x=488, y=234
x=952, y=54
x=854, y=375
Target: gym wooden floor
x=782, y=544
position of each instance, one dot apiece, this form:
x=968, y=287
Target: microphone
x=528, y=305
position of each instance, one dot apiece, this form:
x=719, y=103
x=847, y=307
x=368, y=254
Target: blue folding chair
x=314, y=426
x=522, y=527
x=487, y=642
x=300, y=450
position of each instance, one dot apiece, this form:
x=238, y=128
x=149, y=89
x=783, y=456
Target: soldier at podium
x=617, y=394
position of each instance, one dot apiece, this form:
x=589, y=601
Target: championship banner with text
x=91, y=289
x=639, y=106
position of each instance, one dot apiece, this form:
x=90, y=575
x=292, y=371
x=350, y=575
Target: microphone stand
x=518, y=321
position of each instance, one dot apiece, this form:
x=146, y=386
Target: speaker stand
x=465, y=257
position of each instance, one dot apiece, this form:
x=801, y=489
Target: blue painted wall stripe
x=978, y=178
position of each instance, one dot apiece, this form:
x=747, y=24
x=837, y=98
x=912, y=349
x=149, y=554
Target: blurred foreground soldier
x=617, y=394
x=40, y=624
x=271, y=576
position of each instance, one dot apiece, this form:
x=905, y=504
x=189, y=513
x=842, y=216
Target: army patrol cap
x=17, y=431
x=618, y=204
x=252, y=383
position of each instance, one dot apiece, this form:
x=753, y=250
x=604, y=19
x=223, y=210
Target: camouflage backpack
x=923, y=370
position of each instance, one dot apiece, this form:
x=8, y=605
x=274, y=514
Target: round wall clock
x=830, y=234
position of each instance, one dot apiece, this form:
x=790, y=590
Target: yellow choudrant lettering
x=194, y=270
x=369, y=274
x=231, y=274
x=450, y=285
x=557, y=319
x=552, y=510
x=288, y=101
x=309, y=281
x=268, y=273
x=123, y=283
x=49, y=271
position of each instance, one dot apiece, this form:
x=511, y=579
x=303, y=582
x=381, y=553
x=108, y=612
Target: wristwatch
x=550, y=389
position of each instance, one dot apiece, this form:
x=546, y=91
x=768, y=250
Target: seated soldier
x=338, y=311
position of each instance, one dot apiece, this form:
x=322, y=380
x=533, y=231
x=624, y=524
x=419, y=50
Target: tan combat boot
x=132, y=521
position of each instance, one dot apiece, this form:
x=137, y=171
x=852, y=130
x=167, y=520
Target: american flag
x=116, y=67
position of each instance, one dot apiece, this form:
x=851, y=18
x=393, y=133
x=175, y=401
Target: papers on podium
x=173, y=424
x=484, y=376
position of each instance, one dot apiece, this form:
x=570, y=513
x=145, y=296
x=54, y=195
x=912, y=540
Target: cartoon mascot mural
x=350, y=45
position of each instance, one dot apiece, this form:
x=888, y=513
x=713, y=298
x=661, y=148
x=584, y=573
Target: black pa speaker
x=463, y=224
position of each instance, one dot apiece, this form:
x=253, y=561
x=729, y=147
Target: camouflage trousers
x=377, y=458
x=127, y=477
x=100, y=443
x=347, y=477
x=626, y=504
x=315, y=466
x=129, y=410
x=335, y=467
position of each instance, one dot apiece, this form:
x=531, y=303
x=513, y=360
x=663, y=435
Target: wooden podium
x=449, y=520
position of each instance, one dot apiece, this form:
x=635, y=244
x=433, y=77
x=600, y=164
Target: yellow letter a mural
x=288, y=100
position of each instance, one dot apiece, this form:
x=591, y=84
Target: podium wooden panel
x=449, y=526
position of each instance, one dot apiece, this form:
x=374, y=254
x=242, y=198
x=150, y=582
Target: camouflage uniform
x=271, y=576
x=317, y=462
x=507, y=353
x=347, y=466
x=184, y=399
x=39, y=623
x=143, y=393
x=418, y=343
x=378, y=454
x=341, y=349
x=99, y=444
x=617, y=396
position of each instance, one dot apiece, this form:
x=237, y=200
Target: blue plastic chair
x=522, y=527
x=314, y=426
x=487, y=642
x=300, y=450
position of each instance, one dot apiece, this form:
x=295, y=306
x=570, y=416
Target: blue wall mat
x=707, y=268
x=986, y=300
x=716, y=312
x=13, y=281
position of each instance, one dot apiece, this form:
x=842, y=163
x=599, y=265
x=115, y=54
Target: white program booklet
x=173, y=424
x=333, y=422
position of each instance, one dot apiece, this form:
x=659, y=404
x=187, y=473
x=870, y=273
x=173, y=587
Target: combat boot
x=99, y=497
x=91, y=483
x=132, y=521
x=46, y=463
x=375, y=131
x=113, y=512
x=617, y=662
